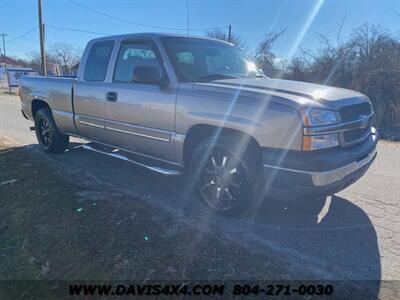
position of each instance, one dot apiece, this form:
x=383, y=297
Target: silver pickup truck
x=174, y=103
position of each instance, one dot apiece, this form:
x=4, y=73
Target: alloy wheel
x=44, y=133
x=222, y=181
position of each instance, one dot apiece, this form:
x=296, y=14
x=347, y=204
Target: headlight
x=317, y=142
x=314, y=117
x=318, y=117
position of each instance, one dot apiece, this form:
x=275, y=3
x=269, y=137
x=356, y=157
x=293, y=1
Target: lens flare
x=251, y=67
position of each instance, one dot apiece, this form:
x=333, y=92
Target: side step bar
x=132, y=159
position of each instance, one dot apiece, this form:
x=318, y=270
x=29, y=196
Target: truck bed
x=56, y=92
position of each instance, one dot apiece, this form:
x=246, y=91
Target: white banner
x=14, y=75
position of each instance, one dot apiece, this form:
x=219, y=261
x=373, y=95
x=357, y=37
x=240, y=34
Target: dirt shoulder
x=56, y=228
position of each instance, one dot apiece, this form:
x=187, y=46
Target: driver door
x=139, y=116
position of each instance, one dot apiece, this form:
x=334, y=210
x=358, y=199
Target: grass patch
x=53, y=226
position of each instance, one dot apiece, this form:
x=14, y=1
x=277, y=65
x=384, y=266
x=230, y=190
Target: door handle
x=112, y=96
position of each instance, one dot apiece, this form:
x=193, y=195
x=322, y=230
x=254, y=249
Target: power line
x=76, y=30
x=22, y=35
x=137, y=23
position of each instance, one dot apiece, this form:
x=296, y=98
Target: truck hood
x=293, y=93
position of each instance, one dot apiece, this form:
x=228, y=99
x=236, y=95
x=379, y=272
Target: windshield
x=202, y=60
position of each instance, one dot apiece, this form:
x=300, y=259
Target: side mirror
x=150, y=75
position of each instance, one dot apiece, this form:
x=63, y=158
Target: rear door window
x=97, y=61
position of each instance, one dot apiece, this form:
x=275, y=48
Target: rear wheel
x=228, y=179
x=47, y=133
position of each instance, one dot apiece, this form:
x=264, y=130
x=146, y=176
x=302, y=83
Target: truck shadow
x=332, y=242
x=336, y=236
x=339, y=234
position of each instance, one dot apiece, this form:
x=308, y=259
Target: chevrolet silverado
x=176, y=104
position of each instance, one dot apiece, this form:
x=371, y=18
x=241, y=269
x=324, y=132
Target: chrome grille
x=353, y=113
x=356, y=134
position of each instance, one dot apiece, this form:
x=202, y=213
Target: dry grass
x=55, y=229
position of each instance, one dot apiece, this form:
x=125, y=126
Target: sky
x=304, y=20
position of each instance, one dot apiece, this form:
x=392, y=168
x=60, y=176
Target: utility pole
x=4, y=43
x=41, y=35
x=187, y=17
x=5, y=64
x=230, y=34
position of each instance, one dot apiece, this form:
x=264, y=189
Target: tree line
x=61, y=58
x=368, y=61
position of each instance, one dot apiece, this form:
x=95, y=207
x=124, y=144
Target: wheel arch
x=38, y=104
x=199, y=132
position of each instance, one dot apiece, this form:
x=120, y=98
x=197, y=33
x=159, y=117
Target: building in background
x=9, y=63
x=11, y=72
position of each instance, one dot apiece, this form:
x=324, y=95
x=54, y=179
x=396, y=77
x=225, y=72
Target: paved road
x=353, y=235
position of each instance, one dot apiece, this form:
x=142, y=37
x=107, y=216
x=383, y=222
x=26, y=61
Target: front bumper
x=292, y=174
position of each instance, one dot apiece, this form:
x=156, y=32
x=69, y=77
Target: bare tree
x=236, y=39
x=374, y=45
x=64, y=55
x=264, y=56
x=378, y=71
x=369, y=61
x=34, y=61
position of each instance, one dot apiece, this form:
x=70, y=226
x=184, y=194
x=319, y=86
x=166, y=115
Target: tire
x=228, y=180
x=49, y=137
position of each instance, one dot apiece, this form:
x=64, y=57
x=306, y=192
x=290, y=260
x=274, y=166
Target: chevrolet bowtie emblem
x=364, y=121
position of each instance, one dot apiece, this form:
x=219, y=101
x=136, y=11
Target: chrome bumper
x=306, y=173
x=329, y=177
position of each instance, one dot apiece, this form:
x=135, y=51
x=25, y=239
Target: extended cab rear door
x=139, y=117
x=89, y=100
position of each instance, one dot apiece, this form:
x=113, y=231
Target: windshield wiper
x=212, y=77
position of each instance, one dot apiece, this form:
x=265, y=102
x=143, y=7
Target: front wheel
x=228, y=178
x=47, y=134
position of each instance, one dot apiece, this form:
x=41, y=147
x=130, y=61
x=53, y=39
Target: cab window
x=132, y=55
